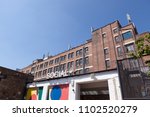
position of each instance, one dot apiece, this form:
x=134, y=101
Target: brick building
x=109, y=43
x=88, y=71
x=13, y=84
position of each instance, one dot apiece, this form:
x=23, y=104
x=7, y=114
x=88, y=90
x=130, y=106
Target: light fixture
x=72, y=83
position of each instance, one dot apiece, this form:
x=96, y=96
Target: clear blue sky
x=30, y=28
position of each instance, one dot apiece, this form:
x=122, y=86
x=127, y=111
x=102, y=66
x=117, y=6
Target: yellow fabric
x=28, y=96
x=30, y=92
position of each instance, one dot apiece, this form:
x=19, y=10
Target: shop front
x=92, y=86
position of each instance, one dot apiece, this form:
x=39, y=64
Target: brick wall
x=13, y=84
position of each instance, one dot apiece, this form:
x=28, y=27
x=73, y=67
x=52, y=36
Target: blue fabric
x=56, y=93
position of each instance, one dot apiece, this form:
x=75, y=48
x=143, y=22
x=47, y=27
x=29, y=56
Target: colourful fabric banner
x=58, y=92
x=34, y=93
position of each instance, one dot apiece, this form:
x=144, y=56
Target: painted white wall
x=74, y=90
x=45, y=92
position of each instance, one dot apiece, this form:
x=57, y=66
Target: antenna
x=128, y=18
x=69, y=46
x=92, y=29
x=43, y=56
x=48, y=54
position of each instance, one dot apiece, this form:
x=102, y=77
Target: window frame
x=132, y=49
x=104, y=35
x=107, y=63
x=126, y=35
x=118, y=39
x=120, y=53
x=115, y=30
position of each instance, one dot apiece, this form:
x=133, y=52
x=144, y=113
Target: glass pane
x=127, y=35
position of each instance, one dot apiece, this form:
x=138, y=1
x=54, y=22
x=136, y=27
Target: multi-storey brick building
x=108, y=43
x=71, y=59
x=90, y=68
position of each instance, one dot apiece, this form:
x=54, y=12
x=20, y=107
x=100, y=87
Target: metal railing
x=134, y=79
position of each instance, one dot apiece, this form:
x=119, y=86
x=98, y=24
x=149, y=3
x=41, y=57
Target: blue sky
x=31, y=28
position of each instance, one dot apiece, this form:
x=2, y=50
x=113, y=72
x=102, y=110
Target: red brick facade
x=108, y=44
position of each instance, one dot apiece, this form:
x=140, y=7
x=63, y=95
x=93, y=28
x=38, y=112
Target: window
x=70, y=65
x=51, y=62
x=62, y=58
x=41, y=66
x=56, y=68
x=56, y=60
x=119, y=51
x=64, y=67
x=133, y=63
x=37, y=67
x=127, y=35
x=107, y=62
x=104, y=35
x=45, y=64
x=117, y=39
x=32, y=69
x=86, y=61
x=80, y=62
x=50, y=70
x=44, y=72
x=39, y=73
x=115, y=30
x=77, y=63
x=36, y=74
x=129, y=47
x=79, y=52
x=70, y=55
x=86, y=49
x=104, y=38
x=61, y=67
x=106, y=53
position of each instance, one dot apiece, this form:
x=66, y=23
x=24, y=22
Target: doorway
x=94, y=91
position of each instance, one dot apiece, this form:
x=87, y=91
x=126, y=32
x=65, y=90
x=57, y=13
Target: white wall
x=74, y=90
